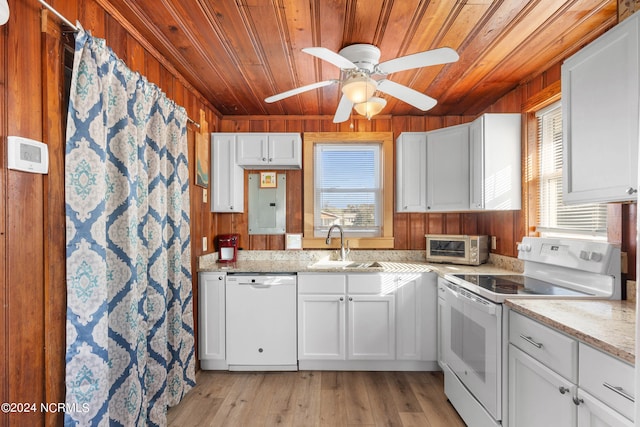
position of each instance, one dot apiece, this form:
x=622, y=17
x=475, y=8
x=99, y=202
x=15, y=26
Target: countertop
x=253, y=266
x=606, y=325
x=389, y=261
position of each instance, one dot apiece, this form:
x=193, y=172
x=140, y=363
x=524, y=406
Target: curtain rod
x=58, y=14
x=74, y=28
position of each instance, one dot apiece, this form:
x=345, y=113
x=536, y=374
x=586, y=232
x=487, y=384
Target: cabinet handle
x=620, y=391
x=270, y=159
x=231, y=207
x=577, y=401
x=631, y=190
x=531, y=341
x=219, y=277
x=350, y=299
x=563, y=390
x=264, y=159
x=341, y=298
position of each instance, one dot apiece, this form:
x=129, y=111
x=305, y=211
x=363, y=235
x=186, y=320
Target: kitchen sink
x=346, y=265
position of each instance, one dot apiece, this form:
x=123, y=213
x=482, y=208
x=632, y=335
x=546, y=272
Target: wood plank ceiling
x=236, y=53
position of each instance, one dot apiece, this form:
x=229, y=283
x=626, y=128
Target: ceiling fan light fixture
x=359, y=88
x=371, y=107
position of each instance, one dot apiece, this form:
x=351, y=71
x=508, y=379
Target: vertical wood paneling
x=4, y=288
x=25, y=214
x=55, y=241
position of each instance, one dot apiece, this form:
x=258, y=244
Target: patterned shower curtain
x=130, y=343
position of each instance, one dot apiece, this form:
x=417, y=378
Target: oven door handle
x=477, y=302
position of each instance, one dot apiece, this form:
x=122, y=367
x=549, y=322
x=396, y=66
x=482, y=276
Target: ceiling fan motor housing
x=365, y=56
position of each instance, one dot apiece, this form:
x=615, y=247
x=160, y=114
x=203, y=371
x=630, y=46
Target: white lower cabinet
x=537, y=395
x=211, y=326
x=555, y=380
x=321, y=316
x=366, y=321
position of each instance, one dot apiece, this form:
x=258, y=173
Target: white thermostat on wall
x=27, y=155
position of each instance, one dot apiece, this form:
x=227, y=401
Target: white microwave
x=457, y=249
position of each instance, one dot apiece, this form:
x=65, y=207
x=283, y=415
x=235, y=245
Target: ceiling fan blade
x=331, y=57
x=343, y=111
x=406, y=94
x=442, y=55
x=298, y=90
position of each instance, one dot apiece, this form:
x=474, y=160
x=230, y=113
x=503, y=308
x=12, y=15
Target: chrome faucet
x=343, y=252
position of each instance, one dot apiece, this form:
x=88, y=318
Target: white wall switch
x=204, y=244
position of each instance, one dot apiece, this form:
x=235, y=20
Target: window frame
x=556, y=175
x=385, y=139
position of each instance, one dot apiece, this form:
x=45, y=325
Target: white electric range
x=471, y=323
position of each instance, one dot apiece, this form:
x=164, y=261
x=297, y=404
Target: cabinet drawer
x=608, y=379
x=328, y=283
x=552, y=348
x=371, y=284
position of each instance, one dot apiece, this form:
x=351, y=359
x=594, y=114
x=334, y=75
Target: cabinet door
x=476, y=164
x=600, y=118
x=211, y=311
x=411, y=170
x=537, y=395
x=285, y=150
x=371, y=327
x=416, y=321
x=448, y=169
x=252, y=149
x=494, y=162
x=227, y=178
x=321, y=327
x=594, y=413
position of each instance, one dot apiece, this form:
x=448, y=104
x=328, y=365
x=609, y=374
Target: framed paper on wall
x=202, y=161
x=268, y=180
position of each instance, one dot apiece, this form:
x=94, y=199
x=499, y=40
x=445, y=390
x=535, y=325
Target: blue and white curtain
x=130, y=343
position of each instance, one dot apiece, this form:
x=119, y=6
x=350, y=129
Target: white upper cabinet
x=411, y=179
x=448, y=169
x=495, y=165
x=269, y=150
x=600, y=107
x=227, y=178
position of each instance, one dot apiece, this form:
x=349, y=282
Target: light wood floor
x=316, y=398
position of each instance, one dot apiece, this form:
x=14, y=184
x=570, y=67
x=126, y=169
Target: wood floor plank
x=333, y=411
x=429, y=390
x=383, y=409
x=414, y=419
x=283, y=401
x=238, y=402
x=307, y=399
x=357, y=400
x=402, y=392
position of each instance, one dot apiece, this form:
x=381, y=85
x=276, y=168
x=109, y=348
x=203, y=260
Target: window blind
x=553, y=215
x=348, y=189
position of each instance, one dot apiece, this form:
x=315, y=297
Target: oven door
x=471, y=343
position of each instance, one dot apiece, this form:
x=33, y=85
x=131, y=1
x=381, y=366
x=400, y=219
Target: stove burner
x=511, y=284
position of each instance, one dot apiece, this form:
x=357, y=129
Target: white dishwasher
x=262, y=322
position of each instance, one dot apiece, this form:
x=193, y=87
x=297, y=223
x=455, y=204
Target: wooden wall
x=32, y=224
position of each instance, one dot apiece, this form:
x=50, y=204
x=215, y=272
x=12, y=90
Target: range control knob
x=524, y=247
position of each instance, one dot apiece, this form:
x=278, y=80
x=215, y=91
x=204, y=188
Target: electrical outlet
x=204, y=195
x=493, y=243
x=204, y=244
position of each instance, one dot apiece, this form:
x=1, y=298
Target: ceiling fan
x=362, y=75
